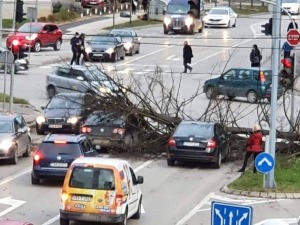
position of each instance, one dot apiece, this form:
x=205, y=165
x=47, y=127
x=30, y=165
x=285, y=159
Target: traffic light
x=286, y=74
x=268, y=27
x=19, y=11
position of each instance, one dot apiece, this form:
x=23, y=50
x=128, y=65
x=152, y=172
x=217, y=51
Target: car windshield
x=53, y=149
x=178, y=8
x=30, y=28
x=104, y=118
x=65, y=102
x=122, y=33
x=194, y=129
x=218, y=12
x=6, y=127
x=103, y=40
x=95, y=75
x=289, y=1
x=92, y=178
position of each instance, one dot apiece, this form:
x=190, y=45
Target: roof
x=73, y=138
x=8, y=116
x=101, y=161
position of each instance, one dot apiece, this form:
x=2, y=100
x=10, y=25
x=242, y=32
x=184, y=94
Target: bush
x=51, y=18
x=56, y=7
x=75, y=8
x=43, y=19
x=63, y=15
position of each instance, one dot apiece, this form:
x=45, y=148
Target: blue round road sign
x=264, y=162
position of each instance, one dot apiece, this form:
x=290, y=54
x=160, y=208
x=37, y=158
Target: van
x=100, y=190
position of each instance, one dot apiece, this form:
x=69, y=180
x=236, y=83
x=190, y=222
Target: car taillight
x=119, y=200
x=36, y=157
x=172, y=142
x=212, y=143
x=119, y=131
x=85, y=130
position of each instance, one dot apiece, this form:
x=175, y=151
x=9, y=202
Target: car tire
x=27, y=152
x=218, y=162
x=39, y=131
x=37, y=46
x=124, y=222
x=251, y=97
x=234, y=25
x=171, y=162
x=210, y=93
x=15, y=158
x=34, y=180
x=64, y=221
x=138, y=213
x=57, y=45
x=51, y=92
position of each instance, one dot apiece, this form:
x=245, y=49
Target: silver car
x=130, y=40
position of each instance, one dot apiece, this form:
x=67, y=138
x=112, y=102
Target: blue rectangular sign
x=230, y=214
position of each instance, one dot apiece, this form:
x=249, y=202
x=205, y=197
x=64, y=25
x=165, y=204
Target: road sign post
x=293, y=37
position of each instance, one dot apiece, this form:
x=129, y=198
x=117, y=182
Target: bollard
x=275, y=222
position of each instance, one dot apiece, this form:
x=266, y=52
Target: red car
x=36, y=36
x=91, y=3
x=13, y=222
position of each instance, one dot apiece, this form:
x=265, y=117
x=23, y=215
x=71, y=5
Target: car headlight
x=40, y=119
x=189, y=21
x=88, y=50
x=110, y=50
x=72, y=120
x=105, y=90
x=32, y=37
x=6, y=144
x=167, y=21
x=15, y=42
x=128, y=45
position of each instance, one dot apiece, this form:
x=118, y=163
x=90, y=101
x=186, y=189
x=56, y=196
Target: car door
x=242, y=82
x=53, y=31
x=222, y=139
x=134, y=201
x=232, y=16
x=61, y=79
x=225, y=84
x=20, y=135
x=45, y=35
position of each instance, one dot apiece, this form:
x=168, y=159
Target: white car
x=292, y=6
x=220, y=17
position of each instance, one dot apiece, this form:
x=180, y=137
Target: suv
x=36, y=35
x=252, y=83
x=79, y=79
x=56, y=153
x=65, y=112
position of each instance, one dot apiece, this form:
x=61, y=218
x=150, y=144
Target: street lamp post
x=36, y=6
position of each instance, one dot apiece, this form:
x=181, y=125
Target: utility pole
x=36, y=6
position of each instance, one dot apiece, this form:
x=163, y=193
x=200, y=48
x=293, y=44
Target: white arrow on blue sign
x=264, y=162
x=230, y=214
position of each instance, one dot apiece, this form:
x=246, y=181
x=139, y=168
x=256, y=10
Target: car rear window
x=92, y=178
x=104, y=118
x=50, y=149
x=267, y=73
x=194, y=129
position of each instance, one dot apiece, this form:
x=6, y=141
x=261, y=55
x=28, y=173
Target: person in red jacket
x=254, y=146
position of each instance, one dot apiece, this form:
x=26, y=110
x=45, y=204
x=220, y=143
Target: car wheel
x=251, y=97
x=38, y=130
x=37, y=46
x=57, y=45
x=124, y=222
x=234, y=25
x=210, y=93
x=15, y=158
x=218, y=162
x=34, y=180
x=137, y=215
x=51, y=92
x=27, y=153
x=171, y=162
x=63, y=221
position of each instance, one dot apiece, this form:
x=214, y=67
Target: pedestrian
x=145, y=5
x=74, y=47
x=187, y=56
x=255, y=57
x=286, y=48
x=291, y=25
x=133, y=6
x=81, y=49
x=253, y=146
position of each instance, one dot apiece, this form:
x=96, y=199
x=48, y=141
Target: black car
x=130, y=40
x=109, y=130
x=108, y=48
x=199, y=142
x=65, y=112
x=15, y=138
x=56, y=153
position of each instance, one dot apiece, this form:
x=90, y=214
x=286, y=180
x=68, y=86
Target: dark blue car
x=56, y=153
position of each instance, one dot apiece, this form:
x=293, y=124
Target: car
x=56, y=153
x=109, y=130
x=36, y=36
x=83, y=79
x=253, y=83
x=198, y=141
x=292, y=6
x=130, y=40
x=91, y=3
x=15, y=139
x=13, y=222
x=220, y=17
x=108, y=48
x=64, y=113
x=103, y=188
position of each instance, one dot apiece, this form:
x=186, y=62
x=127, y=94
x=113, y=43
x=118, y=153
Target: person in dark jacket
x=145, y=5
x=291, y=25
x=81, y=49
x=253, y=146
x=133, y=6
x=74, y=47
x=255, y=57
x=187, y=56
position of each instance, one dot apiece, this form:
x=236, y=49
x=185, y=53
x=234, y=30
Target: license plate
x=177, y=28
x=81, y=198
x=191, y=144
x=98, y=54
x=93, y=3
x=100, y=141
x=55, y=126
x=59, y=165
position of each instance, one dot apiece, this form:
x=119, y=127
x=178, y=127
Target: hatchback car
x=130, y=40
x=252, y=83
x=64, y=113
x=36, y=35
x=109, y=130
x=56, y=153
x=108, y=48
x=199, y=142
x=15, y=137
x=220, y=17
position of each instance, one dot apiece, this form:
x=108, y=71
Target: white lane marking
x=12, y=202
x=287, y=220
x=10, y=178
x=140, y=167
x=195, y=210
x=255, y=34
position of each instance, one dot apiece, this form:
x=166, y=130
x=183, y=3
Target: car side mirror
x=164, y=12
x=140, y=180
x=42, y=107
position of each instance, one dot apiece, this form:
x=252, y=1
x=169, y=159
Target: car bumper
x=40, y=172
x=101, y=56
x=62, y=127
x=182, y=28
x=7, y=154
x=216, y=24
x=107, y=142
x=192, y=155
x=91, y=217
x=23, y=44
